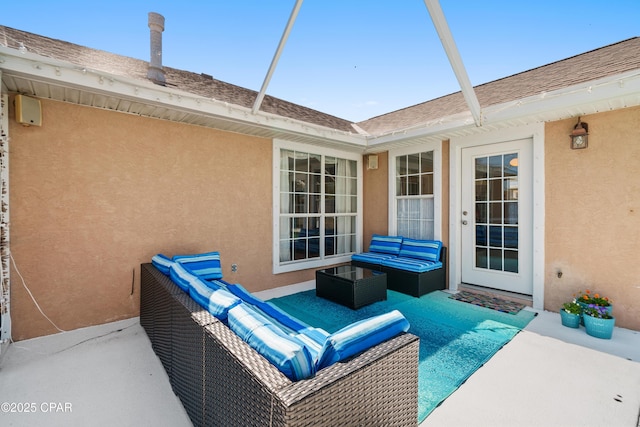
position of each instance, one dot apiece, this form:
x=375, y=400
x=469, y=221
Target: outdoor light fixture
x=579, y=135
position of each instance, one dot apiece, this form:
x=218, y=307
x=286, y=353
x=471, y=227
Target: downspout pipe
x=276, y=57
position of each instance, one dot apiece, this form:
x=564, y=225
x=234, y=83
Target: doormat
x=489, y=302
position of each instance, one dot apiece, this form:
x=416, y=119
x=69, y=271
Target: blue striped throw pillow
x=205, y=265
x=162, y=262
x=428, y=250
x=385, y=244
x=286, y=353
x=361, y=336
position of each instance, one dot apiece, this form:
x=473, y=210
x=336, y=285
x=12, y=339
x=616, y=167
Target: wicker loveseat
x=221, y=380
x=414, y=267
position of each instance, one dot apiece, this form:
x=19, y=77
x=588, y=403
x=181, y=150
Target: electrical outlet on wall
x=234, y=268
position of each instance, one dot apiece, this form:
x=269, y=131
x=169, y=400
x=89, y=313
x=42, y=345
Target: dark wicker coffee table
x=352, y=286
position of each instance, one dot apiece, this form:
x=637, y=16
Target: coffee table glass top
x=349, y=272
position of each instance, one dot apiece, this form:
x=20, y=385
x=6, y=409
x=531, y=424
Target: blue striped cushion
x=205, y=265
x=412, y=264
x=181, y=276
x=371, y=257
x=212, y=298
x=385, y=244
x=360, y=336
x=287, y=322
x=286, y=353
x=162, y=262
x=428, y=250
x=314, y=339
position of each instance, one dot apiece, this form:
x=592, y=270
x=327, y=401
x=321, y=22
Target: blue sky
x=355, y=59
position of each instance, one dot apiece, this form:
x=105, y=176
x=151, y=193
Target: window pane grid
x=415, y=215
x=318, y=206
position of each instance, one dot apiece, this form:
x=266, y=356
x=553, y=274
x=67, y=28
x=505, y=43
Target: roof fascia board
x=50, y=71
x=449, y=45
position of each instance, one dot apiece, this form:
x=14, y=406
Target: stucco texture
x=95, y=193
x=593, y=213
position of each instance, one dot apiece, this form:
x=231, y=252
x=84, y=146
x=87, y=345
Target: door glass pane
x=481, y=258
x=496, y=222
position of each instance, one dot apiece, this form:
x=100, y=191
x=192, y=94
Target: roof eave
x=37, y=69
x=606, y=94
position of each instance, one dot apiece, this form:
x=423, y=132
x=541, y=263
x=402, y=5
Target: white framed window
x=317, y=206
x=415, y=191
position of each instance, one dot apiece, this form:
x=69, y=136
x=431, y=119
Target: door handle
x=464, y=222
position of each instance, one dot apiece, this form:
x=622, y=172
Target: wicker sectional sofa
x=414, y=267
x=221, y=380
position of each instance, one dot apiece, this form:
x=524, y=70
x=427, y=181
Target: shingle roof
x=599, y=63
x=606, y=61
x=197, y=84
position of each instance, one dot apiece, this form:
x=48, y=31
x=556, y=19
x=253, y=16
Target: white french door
x=497, y=216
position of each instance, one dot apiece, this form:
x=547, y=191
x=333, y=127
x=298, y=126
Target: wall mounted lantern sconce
x=579, y=135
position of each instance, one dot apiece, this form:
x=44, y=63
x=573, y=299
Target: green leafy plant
x=587, y=297
x=598, y=311
x=572, y=307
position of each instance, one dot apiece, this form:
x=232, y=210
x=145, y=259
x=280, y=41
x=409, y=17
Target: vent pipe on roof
x=156, y=25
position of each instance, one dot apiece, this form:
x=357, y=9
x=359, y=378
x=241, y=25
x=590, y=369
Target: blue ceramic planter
x=585, y=306
x=599, y=328
x=569, y=320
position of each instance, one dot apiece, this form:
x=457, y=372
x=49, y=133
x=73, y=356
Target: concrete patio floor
x=108, y=375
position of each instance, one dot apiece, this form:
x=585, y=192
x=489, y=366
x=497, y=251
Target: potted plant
x=570, y=314
x=598, y=321
x=586, y=298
